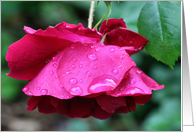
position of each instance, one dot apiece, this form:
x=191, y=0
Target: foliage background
x=161, y=113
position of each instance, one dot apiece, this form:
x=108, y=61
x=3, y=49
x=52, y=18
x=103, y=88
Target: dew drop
x=55, y=65
x=73, y=66
x=44, y=91
x=73, y=46
x=88, y=74
x=92, y=57
x=51, y=72
x=25, y=89
x=54, y=58
x=73, y=81
x=74, y=59
x=121, y=89
x=68, y=72
x=94, y=67
x=120, y=38
x=133, y=80
x=97, y=49
x=61, y=85
x=80, y=81
x=37, y=88
x=112, y=49
x=134, y=90
x=115, y=71
x=80, y=66
x=138, y=71
x=76, y=90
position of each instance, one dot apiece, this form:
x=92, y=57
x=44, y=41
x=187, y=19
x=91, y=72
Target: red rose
x=72, y=73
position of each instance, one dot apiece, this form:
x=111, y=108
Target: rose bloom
x=80, y=72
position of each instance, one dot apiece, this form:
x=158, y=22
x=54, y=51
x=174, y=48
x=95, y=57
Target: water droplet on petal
x=102, y=83
x=61, y=85
x=134, y=90
x=97, y=49
x=112, y=49
x=120, y=38
x=80, y=81
x=73, y=66
x=138, y=71
x=92, y=57
x=55, y=65
x=115, y=71
x=25, y=89
x=130, y=41
x=133, y=80
x=88, y=74
x=76, y=90
x=73, y=46
x=94, y=67
x=37, y=88
x=51, y=72
x=74, y=59
x=73, y=81
x=44, y=91
x=80, y=66
x=55, y=58
x=68, y=72
x=121, y=89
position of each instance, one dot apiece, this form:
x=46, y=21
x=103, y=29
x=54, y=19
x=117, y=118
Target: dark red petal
x=47, y=82
x=140, y=100
x=111, y=24
x=100, y=113
x=33, y=102
x=136, y=83
x=85, y=70
x=122, y=110
x=125, y=37
x=131, y=103
x=61, y=105
x=45, y=106
x=109, y=103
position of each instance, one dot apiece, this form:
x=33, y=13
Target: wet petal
x=27, y=56
x=47, y=81
x=83, y=70
x=125, y=37
x=137, y=83
x=109, y=103
x=111, y=24
x=33, y=102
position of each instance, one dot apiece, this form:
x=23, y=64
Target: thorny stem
x=90, y=19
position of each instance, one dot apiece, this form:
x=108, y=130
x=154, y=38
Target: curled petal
x=99, y=113
x=125, y=37
x=85, y=70
x=47, y=81
x=27, y=56
x=137, y=83
x=111, y=25
x=109, y=103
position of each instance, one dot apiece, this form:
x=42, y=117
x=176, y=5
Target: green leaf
x=160, y=23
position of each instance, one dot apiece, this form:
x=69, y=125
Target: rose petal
x=109, y=103
x=125, y=37
x=140, y=100
x=85, y=70
x=100, y=113
x=45, y=106
x=131, y=103
x=27, y=56
x=33, y=102
x=111, y=24
x=71, y=32
x=47, y=81
x=137, y=83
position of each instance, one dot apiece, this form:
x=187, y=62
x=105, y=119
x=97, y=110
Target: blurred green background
x=161, y=113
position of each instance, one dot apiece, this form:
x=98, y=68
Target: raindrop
x=61, y=85
x=37, y=88
x=133, y=80
x=115, y=71
x=121, y=89
x=80, y=66
x=73, y=81
x=76, y=90
x=44, y=91
x=120, y=38
x=92, y=57
x=138, y=71
x=112, y=49
x=55, y=65
x=73, y=46
x=97, y=49
x=55, y=58
x=134, y=90
x=88, y=74
x=68, y=72
x=73, y=66
x=74, y=59
x=25, y=89
x=94, y=67
x=80, y=81
x=51, y=72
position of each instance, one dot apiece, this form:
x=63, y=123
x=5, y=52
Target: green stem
x=90, y=19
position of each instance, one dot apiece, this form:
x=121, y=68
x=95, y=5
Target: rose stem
x=90, y=19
